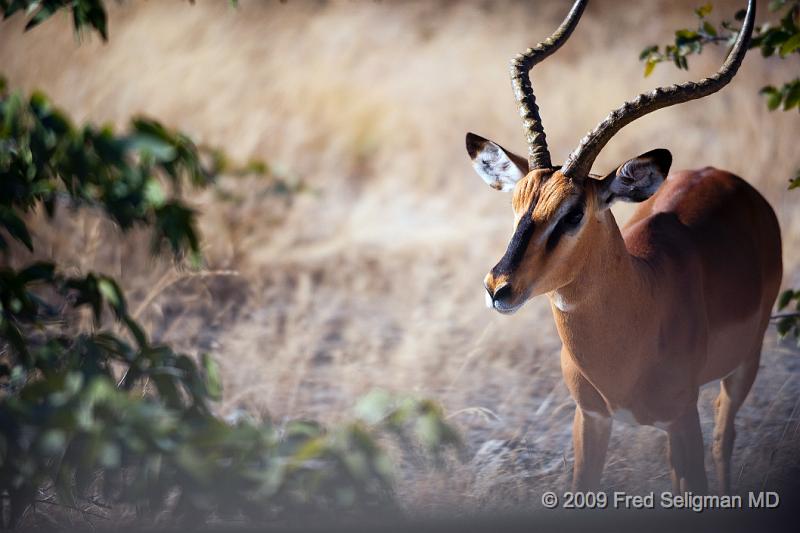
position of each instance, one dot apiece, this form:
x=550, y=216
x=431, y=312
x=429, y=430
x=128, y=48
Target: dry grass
x=375, y=280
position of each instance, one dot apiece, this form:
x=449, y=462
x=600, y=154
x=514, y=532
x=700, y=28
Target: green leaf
x=790, y=45
x=795, y=181
x=788, y=22
x=683, y=37
x=647, y=52
x=150, y=145
x=784, y=325
x=44, y=13
x=775, y=5
x=709, y=29
x=137, y=332
x=704, y=10
x=792, y=95
x=92, y=13
x=15, y=227
x=175, y=224
x=784, y=299
x=428, y=430
x=113, y=294
x=154, y=193
x=649, y=67
x=374, y=407
x=39, y=271
x=213, y=380
x=773, y=96
x=775, y=38
x=11, y=7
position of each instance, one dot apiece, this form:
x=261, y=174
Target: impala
x=680, y=297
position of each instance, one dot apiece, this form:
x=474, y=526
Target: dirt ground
x=373, y=277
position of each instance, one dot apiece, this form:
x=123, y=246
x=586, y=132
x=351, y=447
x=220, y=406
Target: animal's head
x=556, y=208
x=553, y=213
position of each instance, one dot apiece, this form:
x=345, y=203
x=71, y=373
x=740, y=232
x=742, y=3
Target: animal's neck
x=599, y=313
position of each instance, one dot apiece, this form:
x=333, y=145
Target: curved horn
x=579, y=162
x=538, y=156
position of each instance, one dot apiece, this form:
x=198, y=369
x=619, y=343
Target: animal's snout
x=499, y=293
x=502, y=294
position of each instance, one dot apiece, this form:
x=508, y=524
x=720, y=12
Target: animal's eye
x=574, y=217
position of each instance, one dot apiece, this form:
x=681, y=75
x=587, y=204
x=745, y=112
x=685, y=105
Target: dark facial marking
x=518, y=245
x=568, y=224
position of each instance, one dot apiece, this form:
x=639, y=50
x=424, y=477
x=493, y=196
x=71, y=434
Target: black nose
x=502, y=293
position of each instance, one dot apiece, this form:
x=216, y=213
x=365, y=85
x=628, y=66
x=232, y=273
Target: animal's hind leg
x=733, y=391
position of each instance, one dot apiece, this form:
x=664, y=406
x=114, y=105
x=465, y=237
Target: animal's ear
x=498, y=167
x=637, y=179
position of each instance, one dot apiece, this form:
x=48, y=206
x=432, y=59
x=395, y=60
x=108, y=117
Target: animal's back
x=734, y=233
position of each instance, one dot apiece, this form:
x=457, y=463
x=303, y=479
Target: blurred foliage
x=106, y=412
x=788, y=95
x=86, y=14
x=781, y=36
x=788, y=323
x=44, y=157
x=104, y=415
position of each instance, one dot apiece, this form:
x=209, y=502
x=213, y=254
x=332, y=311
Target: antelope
x=677, y=298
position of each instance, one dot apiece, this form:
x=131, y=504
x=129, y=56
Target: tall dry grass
x=374, y=279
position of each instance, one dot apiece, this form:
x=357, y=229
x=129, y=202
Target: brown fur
x=680, y=297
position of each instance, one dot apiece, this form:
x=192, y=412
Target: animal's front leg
x=686, y=453
x=590, y=434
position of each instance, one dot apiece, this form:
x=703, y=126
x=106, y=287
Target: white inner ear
x=496, y=168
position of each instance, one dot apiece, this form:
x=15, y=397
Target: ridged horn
x=538, y=156
x=579, y=162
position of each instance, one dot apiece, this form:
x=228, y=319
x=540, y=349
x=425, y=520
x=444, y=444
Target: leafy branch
x=86, y=14
x=788, y=323
x=70, y=423
x=100, y=414
x=44, y=157
x=107, y=416
x=782, y=38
